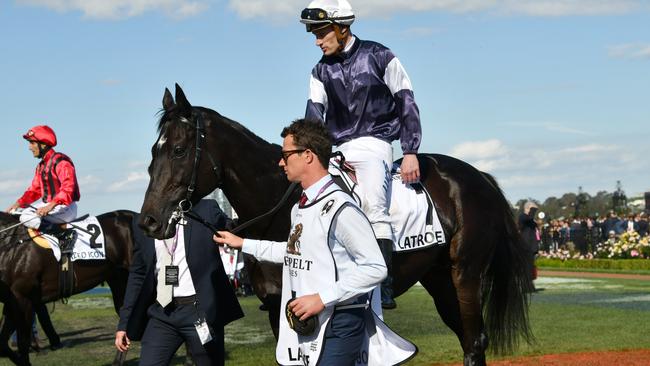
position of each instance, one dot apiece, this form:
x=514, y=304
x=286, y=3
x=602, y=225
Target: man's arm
x=353, y=231
x=400, y=86
x=137, y=274
x=32, y=193
x=317, y=103
x=264, y=250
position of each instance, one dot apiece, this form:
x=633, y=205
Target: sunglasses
x=287, y=153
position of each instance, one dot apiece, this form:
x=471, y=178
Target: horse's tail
x=506, y=284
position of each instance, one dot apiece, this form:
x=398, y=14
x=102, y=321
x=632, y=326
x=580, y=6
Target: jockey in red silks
x=54, y=190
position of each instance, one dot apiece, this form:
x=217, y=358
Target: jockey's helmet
x=43, y=134
x=321, y=13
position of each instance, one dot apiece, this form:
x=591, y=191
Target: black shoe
x=263, y=307
x=56, y=346
x=388, y=304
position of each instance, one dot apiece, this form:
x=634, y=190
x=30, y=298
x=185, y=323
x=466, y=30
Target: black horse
x=479, y=281
x=29, y=274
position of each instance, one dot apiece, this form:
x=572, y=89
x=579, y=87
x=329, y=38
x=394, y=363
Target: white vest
x=309, y=268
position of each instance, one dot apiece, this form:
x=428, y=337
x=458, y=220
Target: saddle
x=67, y=238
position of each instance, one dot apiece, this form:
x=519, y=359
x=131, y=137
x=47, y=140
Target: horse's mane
x=248, y=134
x=7, y=219
x=8, y=239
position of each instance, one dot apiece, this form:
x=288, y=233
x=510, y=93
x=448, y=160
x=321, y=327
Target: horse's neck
x=252, y=180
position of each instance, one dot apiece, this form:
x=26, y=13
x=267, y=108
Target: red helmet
x=43, y=134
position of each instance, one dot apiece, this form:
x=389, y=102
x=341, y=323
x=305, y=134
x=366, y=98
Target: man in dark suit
x=192, y=301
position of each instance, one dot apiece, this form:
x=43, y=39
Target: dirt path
x=546, y=273
x=619, y=358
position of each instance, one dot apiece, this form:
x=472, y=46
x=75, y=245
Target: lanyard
x=173, y=249
x=322, y=190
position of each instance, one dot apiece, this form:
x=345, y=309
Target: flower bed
x=628, y=245
x=628, y=253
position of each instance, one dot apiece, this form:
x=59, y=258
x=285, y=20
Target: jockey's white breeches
x=372, y=160
x=59, y=214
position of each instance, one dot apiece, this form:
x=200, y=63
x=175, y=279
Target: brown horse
x=29, y=274
x=479, y=281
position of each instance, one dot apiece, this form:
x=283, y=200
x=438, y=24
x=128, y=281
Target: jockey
x=361, y=92
x=54, y=190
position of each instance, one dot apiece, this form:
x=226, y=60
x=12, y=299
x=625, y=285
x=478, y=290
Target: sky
x=546, y=95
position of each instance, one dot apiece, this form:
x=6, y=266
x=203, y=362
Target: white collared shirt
x=359, y=262
x=185, y=284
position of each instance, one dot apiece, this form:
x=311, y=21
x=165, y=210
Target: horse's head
x=180, y=172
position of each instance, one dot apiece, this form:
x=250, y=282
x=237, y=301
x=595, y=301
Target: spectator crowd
x=584, y=234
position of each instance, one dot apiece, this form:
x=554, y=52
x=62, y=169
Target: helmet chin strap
x=42, y=150
x=341, y=36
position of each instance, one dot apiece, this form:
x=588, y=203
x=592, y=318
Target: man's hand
x=228, y=239
x=306, y=306
x=410, y=169
x=122, y=342
x=46, y=209
x=12, y=207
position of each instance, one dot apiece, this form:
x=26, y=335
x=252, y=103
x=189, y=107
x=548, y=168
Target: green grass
x=631, y=266
x=569, y=315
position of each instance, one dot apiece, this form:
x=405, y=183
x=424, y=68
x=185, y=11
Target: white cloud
x=133, y=181
x=630, y=51
x=589, y=149
x=289, y=9
x=119, y=9
x=551, y=127
x=540, y=171
x=474, y=150
x=418, y=32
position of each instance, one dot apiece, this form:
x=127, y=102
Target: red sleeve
x=67, y=176
x=32, y=193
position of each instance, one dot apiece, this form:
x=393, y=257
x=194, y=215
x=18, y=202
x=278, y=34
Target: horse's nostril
x=149, y=224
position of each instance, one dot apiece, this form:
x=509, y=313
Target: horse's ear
x=184, y=106
x=168, y=100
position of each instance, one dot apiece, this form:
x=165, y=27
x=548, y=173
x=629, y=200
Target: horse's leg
x=267, y=283
x=474, y=340
x=24, y=316
x=439, y=285
x=274, y=304
x=46, y=323
x=117, y=284
x=6, y=329
x=460, y=310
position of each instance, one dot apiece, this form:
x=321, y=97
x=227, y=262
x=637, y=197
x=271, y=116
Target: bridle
x=184, y=207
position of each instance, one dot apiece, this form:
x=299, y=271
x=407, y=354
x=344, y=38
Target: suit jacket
x=216, y=297
x=528, y=230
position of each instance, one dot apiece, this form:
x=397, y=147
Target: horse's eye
x=179, y=151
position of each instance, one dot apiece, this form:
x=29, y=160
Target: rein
x=250, y=222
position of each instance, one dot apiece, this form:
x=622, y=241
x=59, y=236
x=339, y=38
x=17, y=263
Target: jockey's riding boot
x=47, y=227
x=66, y=236
x=387, y=301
